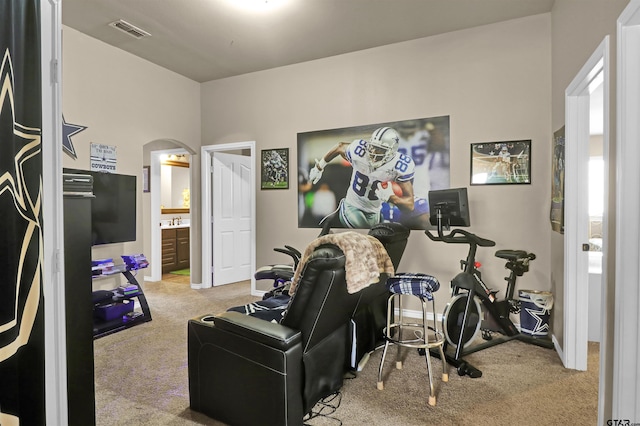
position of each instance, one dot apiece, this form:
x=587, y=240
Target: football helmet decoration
x=382, y=146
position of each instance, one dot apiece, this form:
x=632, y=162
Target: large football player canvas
x=360, y=176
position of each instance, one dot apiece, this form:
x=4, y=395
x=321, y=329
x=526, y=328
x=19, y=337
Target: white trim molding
x=53, y=211
x=577, y=106
x=626, y=364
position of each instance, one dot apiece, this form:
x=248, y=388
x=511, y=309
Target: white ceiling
x=211, y=39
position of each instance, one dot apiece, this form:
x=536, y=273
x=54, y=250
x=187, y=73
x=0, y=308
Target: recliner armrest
x=270, y=333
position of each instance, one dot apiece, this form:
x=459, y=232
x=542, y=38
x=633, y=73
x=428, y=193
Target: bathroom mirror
x=175, y=192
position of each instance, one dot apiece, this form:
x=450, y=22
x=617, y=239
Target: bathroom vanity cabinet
x=175, y=249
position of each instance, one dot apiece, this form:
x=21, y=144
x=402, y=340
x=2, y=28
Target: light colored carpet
x=141, y=377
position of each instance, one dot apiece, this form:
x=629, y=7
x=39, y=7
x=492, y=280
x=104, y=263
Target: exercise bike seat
x=514, y=255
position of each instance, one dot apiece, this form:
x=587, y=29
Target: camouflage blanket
x=365, y=259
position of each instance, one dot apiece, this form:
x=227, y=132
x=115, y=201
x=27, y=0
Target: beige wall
x=497, y=82
x=578, y=29
x=494, y=83
x=125, y=102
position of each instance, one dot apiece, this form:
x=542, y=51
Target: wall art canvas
x=274, y=168
x=349, y=183
x=556, y=215
x=501, y=163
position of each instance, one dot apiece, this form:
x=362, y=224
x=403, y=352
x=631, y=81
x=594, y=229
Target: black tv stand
x=103, y=327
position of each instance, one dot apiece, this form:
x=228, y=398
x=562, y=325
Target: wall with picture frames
x=474, y=77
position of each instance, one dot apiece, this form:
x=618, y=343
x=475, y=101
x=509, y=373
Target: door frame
x=626, y=366
x=208, y=198
x=155, y=202
x=577, y=94
x=55, y=386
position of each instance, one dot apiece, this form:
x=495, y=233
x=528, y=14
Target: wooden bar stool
x=404, y=332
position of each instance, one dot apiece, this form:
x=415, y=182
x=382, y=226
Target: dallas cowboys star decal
x=541, y=327
x=69, y=130
x=20, y=206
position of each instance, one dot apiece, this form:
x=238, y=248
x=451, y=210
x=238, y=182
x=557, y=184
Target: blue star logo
x=69, y=130
x=541, y=326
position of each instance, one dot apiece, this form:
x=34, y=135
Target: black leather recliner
x=247, y=371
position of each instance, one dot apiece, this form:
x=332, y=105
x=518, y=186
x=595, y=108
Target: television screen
x=113, y=210
x=453, y=205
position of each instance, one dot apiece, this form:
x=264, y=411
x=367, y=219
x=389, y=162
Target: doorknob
x=585, y=247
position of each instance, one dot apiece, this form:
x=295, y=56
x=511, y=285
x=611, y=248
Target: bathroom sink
x=182, y=225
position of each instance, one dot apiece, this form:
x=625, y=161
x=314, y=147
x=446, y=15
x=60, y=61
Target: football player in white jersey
x=376, y=164
x=414, y=142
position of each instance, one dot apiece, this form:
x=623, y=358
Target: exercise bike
x=474, y=307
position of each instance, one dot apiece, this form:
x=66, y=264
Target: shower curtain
x=22, y=391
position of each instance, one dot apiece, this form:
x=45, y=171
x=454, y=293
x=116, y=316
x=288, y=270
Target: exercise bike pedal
x=462, y=369
x=466, y=369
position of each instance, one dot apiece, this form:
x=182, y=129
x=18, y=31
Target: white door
x=231, y=220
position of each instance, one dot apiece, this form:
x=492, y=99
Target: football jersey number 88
x=361, y=181
x=360, y=185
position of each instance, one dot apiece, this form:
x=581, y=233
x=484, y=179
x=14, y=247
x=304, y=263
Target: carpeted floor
x=141, y=377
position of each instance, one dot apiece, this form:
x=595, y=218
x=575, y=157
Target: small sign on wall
x=103, y=158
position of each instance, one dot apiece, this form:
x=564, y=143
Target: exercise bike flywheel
x=452, y=320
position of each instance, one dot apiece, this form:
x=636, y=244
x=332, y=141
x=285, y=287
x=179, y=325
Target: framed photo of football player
x=274, y=166
x=357, y=177
x=557, y=185
x=501, y=163
x=146, y=181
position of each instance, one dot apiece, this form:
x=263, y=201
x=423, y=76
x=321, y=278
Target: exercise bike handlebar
x=460, y=236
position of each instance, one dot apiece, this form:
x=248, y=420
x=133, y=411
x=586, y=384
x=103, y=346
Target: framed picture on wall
x=274, y=166
x=501, y=163
x=422, y=150
x=557, y=184
x=146, y=179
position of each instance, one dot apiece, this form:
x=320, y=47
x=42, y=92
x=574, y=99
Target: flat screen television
x=453, y=205
x=113, y=210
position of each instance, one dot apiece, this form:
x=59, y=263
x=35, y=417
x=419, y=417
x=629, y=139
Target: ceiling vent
x=132, y=30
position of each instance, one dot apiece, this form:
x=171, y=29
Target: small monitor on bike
x=449, y=207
